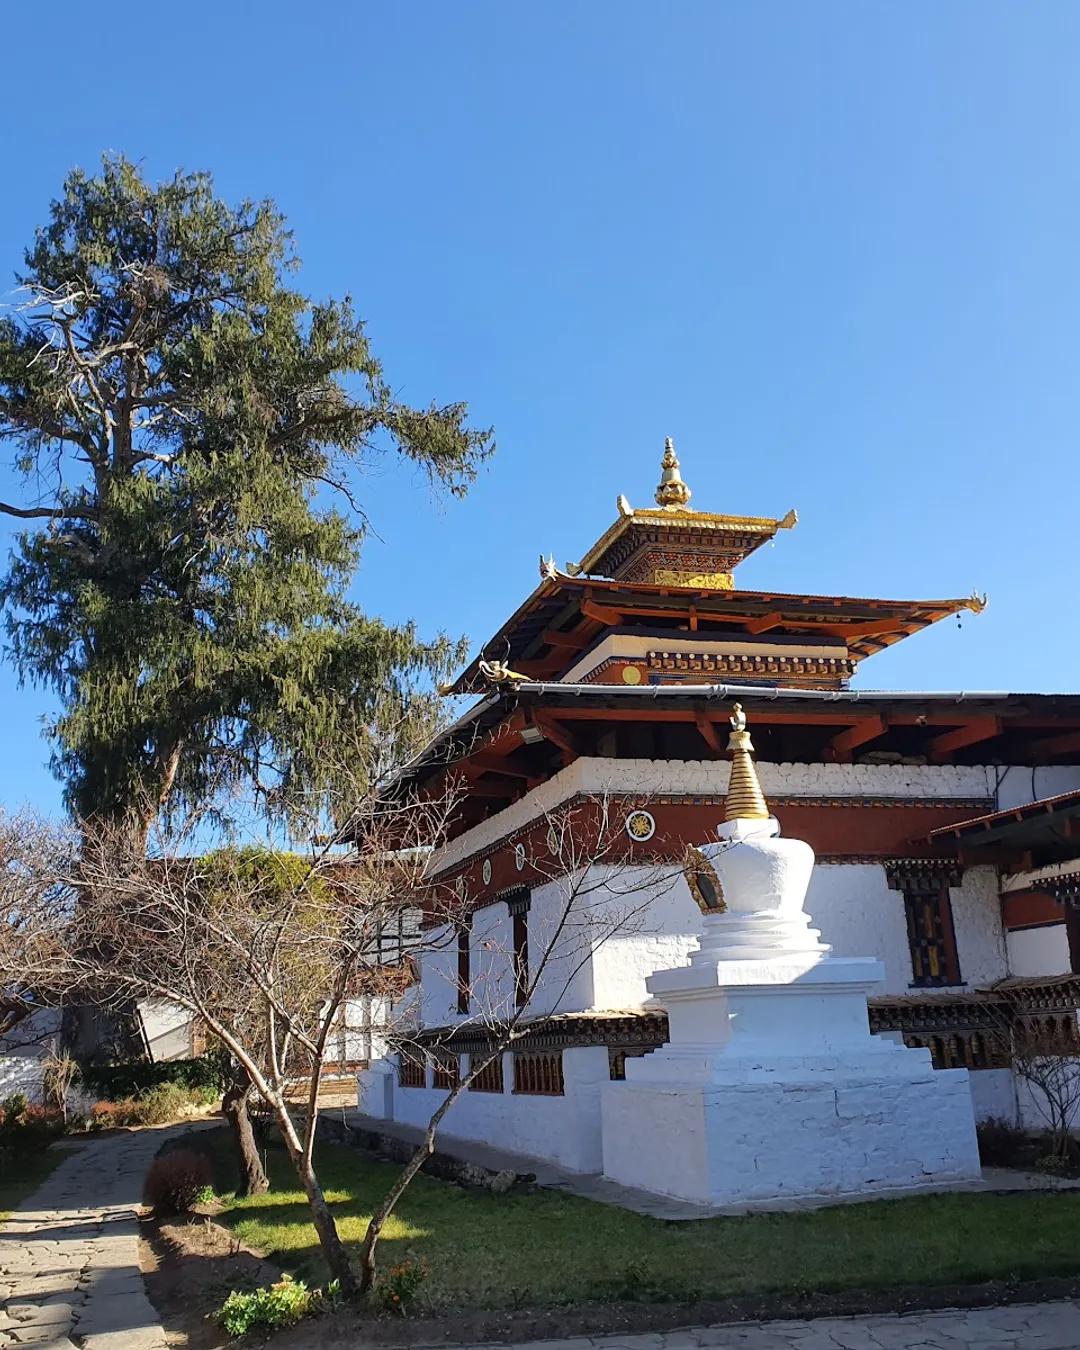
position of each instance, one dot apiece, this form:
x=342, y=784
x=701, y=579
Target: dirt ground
x=190, y=1264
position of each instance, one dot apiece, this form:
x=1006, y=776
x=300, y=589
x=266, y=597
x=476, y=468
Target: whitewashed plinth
x=771, y=1086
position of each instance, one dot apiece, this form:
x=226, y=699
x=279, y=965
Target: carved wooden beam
x=764, y=623
x=971, y=733
x=864, y=730
x=708, y=732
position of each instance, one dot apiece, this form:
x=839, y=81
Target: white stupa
x=771, y=1085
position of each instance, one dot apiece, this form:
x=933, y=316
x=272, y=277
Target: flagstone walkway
x=69, y=1276
x=1029, y=1326
x=69, y=1256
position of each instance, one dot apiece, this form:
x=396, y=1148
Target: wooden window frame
x=464, y=967
x=411, y=1068
x=447, y=1070
x=539, y=1073
x=936, y=897
x=491, y=1078
x=518, y=905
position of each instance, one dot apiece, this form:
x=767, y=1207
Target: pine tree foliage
x=181, y=415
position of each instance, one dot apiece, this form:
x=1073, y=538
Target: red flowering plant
x=399, y=1288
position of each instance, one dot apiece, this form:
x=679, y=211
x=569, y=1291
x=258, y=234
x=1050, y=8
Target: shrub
x=25, y=1128
x=158, y=1105
x=116, y=1082
x=399, y=1288
x=178, y=1180
x=279, y=1306
x=1001, y=1143
x=1054, y=1165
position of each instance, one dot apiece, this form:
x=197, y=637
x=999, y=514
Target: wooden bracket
x=864, y=730
x=708, y=732
x=971, y=733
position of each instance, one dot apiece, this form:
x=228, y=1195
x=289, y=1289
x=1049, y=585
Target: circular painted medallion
x=631, y=675
x=640, y=826
x=487, y=871
x=519, y=857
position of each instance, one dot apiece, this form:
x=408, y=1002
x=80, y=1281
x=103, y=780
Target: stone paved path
x=69, y=1258
x=1028, y=1326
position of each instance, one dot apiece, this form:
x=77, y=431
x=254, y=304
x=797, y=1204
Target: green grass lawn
x=20, y=1182
x=550, y=1249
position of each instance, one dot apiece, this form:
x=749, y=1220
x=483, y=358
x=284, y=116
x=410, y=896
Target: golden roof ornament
x=745, y=799
x=672, y=491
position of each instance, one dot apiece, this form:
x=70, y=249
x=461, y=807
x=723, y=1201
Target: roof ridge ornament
x=745, y=799
x=672, y=492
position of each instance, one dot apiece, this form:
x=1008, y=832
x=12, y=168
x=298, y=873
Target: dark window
x=447, y=1070
x=539, y=1073
x=617, y=1057
x=464, y=974
x=411, y=1072
x=490, y=1077
x=931, y=937
x=518, y=906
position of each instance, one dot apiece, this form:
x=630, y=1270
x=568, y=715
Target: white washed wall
x=1018, y=784
x=167, y=1029
x=644, y=777
x=1039, y=951
x=565, y=1130
x=600, y=965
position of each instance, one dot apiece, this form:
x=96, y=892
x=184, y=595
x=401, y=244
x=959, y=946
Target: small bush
x=399, y=1288
x=159, y=1105
x=25, y=1128
x=1001, y=1143
x=117, y=1082
x=1054, y=1165
x=176, y=1181
x=279, y=1306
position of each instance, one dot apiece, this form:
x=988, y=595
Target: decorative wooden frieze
x=921, y=876
x=517, y=900
x=561, y=1032
x=1065, y=889
x=823, y=669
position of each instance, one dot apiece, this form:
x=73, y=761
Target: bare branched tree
x=35, y=899
x=1045, y=1054
x=267, y=949
x=595, y=890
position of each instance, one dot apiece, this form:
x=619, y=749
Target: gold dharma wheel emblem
x=640, y=826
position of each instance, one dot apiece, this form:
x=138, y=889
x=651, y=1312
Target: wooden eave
x=564, y=617
x=525, y=733
x=1032, y=835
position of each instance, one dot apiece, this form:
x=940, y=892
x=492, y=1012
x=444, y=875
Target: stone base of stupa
x=773, y=1089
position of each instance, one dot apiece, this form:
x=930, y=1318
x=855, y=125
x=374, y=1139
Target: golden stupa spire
x=672, y=490
x=745, y=799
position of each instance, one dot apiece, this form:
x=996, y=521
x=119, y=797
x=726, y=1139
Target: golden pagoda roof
x=672, y=526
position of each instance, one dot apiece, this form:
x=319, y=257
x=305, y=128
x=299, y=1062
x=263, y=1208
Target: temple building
x=946, y=825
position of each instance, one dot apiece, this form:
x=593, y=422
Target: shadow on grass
x=549, y=1249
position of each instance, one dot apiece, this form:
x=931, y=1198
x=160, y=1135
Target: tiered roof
x=666, y=574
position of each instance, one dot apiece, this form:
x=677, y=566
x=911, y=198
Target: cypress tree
x=190, y=429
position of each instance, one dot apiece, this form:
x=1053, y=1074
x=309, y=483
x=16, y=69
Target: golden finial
x=745, y=799
x=672, y=490
x=976, y=602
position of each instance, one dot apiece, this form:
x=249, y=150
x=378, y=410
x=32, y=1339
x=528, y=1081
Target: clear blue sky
x=832, y=248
